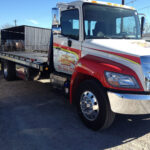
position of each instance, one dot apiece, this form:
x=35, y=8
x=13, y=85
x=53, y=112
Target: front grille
x=145, y=62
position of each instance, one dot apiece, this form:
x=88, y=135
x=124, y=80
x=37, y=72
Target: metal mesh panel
x=37, y=39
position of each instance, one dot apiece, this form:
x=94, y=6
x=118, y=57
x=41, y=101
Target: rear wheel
x=31, y=74
x=93, y=105
x=9, y=70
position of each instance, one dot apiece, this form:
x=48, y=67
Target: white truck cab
x=102, y=41
x=87, y=25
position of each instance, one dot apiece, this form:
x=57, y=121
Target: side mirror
x=56, y=21
x=142, y=25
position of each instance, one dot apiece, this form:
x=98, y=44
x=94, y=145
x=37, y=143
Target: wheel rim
x=89, y=106
x=5, y=70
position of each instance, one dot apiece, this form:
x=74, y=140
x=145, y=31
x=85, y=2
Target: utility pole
x=123, y=2
x=15, y=21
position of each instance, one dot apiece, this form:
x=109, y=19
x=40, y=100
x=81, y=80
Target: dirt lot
x=35, y=117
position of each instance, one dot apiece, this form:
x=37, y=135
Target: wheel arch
x=80, y=78
x=93, y=67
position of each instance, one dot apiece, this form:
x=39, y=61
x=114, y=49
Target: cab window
x=70, y=24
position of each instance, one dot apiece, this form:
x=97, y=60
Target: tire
x=28, y=74
x=31, y=74
x=9, y=70
x=92, y=96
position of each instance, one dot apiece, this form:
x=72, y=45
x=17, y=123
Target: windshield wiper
x=105, y=37
x=122, y=37
x=95, y=37
x=128, y=38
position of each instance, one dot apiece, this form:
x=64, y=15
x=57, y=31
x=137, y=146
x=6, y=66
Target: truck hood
x=130, y=47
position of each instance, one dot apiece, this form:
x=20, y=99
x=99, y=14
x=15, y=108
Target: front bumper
x=133, y=104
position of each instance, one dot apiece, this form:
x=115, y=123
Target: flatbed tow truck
x=97, y=55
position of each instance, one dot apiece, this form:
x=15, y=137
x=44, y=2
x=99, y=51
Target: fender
x=94, y=67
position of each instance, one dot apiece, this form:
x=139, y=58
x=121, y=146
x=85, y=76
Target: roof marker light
x=94, y=1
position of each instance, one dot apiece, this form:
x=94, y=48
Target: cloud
x=33, y=21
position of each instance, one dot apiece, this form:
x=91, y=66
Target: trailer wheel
x=93, y=105
x=9, y=70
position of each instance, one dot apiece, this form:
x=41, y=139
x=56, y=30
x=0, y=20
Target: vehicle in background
x=146, y=37
x=25, y=38
x=97, y=55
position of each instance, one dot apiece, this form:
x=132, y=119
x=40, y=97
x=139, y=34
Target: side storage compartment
x=9, y=70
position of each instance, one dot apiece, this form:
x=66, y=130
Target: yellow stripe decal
x=66, y=50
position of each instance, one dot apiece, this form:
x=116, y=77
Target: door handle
x=58, y=48
x=69, y=43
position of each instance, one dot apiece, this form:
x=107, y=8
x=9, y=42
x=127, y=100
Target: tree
x=7, y=25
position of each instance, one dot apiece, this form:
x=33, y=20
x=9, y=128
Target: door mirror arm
x=142, y=25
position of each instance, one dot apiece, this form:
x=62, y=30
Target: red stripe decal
x=69, y=48
x=133, y=58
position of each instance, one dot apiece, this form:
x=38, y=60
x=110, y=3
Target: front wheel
x=93, y=105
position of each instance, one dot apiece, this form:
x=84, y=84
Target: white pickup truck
x=98, y=55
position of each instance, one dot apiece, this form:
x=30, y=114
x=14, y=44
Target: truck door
x=67, y=45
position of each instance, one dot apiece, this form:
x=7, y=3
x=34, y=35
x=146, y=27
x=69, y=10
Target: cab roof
x=80, y=2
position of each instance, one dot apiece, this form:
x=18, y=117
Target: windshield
x=102, y=22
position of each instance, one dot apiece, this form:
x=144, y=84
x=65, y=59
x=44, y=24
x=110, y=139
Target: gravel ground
x=35, y=117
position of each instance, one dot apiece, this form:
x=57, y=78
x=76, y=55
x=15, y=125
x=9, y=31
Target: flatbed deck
x=31, y=59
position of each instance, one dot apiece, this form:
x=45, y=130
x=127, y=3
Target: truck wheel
x=9, y=71
x=31, y=74
x=93, y=105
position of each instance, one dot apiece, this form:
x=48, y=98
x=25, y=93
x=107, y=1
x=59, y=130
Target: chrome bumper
x=129, y=103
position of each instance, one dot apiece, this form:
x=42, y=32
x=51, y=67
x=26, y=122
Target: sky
x=38, y=12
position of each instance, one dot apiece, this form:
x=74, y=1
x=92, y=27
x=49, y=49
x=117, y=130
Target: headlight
x=121, y=80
